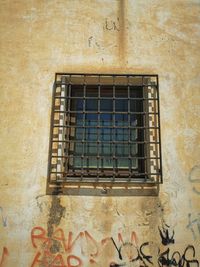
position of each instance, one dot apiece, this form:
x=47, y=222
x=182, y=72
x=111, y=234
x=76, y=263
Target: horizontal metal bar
x=105, y=74
x=103, y=172
x=103, y=142
x=102, y=157
x=104, y=98
x=105, y=112
x=103, y=127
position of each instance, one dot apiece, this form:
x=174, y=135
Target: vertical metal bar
x=84, y=144
x=51, y=133
x=145, y=124
x=69, y=122
x=160, y=149
x=113, y=130
x=98, y=129
x=129, y=130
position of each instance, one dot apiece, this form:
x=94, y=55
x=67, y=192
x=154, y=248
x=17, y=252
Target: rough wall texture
x=39, y=38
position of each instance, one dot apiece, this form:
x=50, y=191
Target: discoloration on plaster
x=3, y=256
x=56, y=213
x=122, y=32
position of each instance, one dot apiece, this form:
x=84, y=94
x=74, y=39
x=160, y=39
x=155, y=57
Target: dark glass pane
x=133, y=120
x=91, y=105
x=91, y=119
x=136, y=105
x=91, y=149
x=91, y=134
x=92, y=163
x=105, y=134
x=121, y=92
x=78, y=149
x=106, y=150
x=123, y=163
x=106, y=91
x=107, y=163
x=106, y=119
x=122, y=150
x=121, y=105
x=76, y=91
x=91, y=91
x=77, y=105
x=121, y=119
x=133, y=134
x=136, y=91
x=121, y=134
x=78, y=133
x=106, y=105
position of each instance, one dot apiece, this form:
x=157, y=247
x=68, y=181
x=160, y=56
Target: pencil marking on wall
x=3, y=217
x=111, y=25
x=194, y=178
x=194, y=225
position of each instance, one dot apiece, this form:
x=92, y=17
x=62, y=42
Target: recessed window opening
x=105, y=128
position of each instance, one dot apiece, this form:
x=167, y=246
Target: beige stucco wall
x=39, y=38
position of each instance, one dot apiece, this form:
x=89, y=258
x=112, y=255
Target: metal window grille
x=105, y=128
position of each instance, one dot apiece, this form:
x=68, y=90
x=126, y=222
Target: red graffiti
x=58, y=250
x=71, y=260
x=3, y=257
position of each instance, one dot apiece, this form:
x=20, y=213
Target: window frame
x=108, y=178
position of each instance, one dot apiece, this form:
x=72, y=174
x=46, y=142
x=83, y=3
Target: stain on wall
x=39, y=38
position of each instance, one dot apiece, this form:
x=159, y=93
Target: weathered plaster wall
x=39, y=38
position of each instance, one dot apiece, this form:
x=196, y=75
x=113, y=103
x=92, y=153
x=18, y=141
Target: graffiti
x=4, y=219
x=165, y=236
x=187, y=259
x=69, y=250
x=58, y=250
x=194, y=224
x=3, y=257
x=111, y=25
x=130, y=253
x=194, y=178
x=92, y=42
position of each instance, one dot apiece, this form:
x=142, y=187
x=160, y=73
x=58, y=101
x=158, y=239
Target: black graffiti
x=165, y=236
x=187, y=259
x=176, y=259
x=118, y=250
x=141, y=256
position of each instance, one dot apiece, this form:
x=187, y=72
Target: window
x=105, y=129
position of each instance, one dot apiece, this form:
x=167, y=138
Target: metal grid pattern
x=105, y=128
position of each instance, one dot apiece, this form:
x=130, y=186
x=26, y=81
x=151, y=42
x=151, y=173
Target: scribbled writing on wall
x=112, y=25
x=194, y=225
x=3, y=217
x=166, y=237
x=194, y=178
x=59, y=249
x=69, y=250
